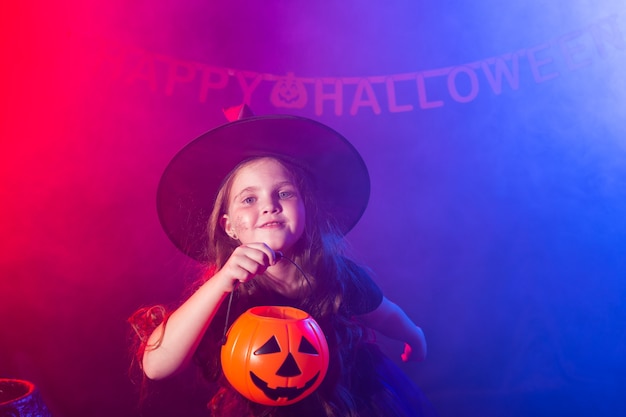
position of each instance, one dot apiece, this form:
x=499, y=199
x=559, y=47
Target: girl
x=264, y=202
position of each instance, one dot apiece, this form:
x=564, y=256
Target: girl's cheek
x=239, y=224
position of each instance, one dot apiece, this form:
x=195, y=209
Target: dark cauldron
x=21, y=399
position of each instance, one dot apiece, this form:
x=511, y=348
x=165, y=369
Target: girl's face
x=265, y=206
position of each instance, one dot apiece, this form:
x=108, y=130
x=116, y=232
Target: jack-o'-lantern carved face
x=275, y=355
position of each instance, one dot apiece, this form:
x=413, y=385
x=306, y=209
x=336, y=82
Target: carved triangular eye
x=307, y=347
x=271, y=346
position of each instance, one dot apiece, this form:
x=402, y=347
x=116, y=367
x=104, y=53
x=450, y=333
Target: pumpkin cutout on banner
x=275, y=355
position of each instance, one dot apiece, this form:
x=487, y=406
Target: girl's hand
x=406, y=355
x=414, y=353
x=246, y=262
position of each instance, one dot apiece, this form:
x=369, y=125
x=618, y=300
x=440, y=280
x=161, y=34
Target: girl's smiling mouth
x=272, y=224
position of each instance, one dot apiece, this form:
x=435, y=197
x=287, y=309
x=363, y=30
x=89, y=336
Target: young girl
x=264, y=203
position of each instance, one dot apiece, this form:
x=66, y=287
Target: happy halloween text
x=405, y=92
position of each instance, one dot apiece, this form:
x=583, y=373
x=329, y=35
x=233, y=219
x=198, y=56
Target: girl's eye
x=248, y=200
x=285, y=194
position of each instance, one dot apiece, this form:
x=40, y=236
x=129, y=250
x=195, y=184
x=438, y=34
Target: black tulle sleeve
x=362, y=294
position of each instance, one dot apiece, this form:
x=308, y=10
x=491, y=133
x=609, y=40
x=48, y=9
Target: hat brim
x=189, y=185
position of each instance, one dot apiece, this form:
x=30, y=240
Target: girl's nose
x=271, y=206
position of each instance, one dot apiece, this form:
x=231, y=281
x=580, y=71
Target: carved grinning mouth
x=281, y=392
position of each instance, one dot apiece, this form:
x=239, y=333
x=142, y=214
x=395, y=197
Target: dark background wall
x=495, y=137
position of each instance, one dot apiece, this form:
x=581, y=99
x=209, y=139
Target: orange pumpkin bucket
x=275, y=355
